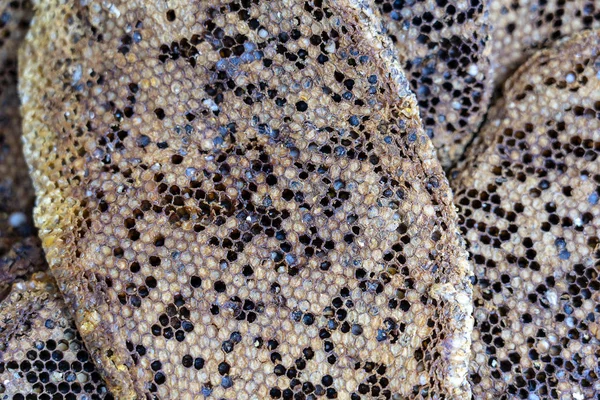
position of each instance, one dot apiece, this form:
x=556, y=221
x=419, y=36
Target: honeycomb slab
x=238, y=200
x=444, y=48
x=522, y=27
x=528, y=204
x=41, y=353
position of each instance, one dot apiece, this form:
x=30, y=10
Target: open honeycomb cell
x=41, y=354
x=238, y=201
x=528, y=204
x=521, y=27
x=443, y=46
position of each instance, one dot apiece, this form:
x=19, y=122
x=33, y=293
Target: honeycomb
x=528, y=206
x=19, y=247
x=443, y=46
x=41, y=353
x=521, y=27
x=238, y=200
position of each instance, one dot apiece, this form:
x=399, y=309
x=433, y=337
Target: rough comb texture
x=443, y=47
x=24, y=257
x=528, y=204
x=521, y=27
x=41, y=353
x=223, y=223
x=19, y=247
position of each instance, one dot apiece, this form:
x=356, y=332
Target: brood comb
x=222, y=223
x=528, y=204
x=522, y=27
x=443, y=46
x=41, y=353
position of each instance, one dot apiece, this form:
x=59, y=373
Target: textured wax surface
x=443, y=46
x=225, y=220
x=521, y=27
x=528, y=204
x=41, y=353
x=19, y=247
x=23, y=257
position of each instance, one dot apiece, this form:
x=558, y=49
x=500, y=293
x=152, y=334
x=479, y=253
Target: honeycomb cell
x=41, y=353
x=239, y=201
x=444, y=47
x=522, y=27
x=527, y=195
